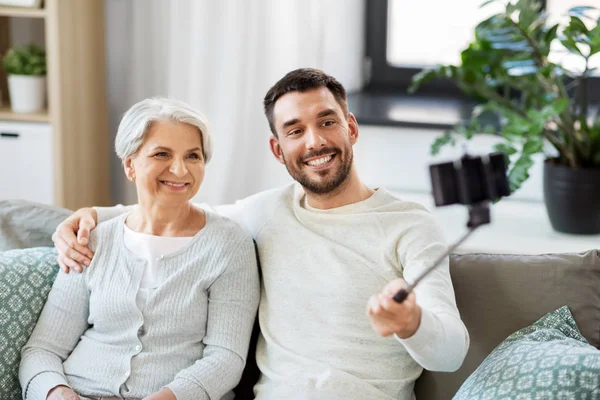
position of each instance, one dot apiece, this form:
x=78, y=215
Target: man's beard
x=329, y=184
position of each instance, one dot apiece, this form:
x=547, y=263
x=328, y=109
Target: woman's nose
x=178, y=168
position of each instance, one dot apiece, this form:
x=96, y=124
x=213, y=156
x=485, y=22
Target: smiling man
x=332, y=252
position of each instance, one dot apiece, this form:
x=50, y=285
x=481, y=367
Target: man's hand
x=163, y=394
x=388, y=317
x=71, y=238
x=61, y=392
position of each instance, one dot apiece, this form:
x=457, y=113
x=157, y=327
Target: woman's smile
x=175, y=186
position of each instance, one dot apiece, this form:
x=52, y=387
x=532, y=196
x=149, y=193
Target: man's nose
x=314, y=139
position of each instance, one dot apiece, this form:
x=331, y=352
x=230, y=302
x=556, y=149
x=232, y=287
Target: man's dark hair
x=301, y=80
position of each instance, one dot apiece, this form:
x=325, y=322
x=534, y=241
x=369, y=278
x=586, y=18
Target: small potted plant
x=26, y=69
x=541, y=105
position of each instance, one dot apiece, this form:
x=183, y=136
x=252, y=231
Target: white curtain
x=222, y=56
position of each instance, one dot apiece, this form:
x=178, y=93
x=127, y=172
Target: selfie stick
x=479, y=214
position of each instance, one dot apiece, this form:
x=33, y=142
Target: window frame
x=383, y=77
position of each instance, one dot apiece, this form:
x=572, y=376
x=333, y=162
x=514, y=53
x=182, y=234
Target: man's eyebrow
x=290, y=122
x=325, y=113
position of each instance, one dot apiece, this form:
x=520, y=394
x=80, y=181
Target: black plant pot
x=572, y=198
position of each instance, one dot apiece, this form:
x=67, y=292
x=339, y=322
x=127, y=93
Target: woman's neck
x=158, y=220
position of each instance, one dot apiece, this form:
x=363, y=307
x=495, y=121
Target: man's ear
x=352, y=128
x=276, y=149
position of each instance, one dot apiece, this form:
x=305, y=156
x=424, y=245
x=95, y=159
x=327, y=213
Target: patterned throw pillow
x=547, y=360
x=26, y=277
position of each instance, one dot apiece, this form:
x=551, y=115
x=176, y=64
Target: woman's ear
x=276, y=149
x=129, y=169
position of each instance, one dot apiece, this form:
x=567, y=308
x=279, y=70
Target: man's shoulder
x=391, y=202
x=253, y=212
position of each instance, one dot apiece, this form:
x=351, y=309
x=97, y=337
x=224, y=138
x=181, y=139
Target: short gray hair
x=136, y=121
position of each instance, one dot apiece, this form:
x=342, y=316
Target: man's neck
x=351, y=191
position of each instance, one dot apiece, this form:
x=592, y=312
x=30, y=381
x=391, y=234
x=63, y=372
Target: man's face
x=314, y=139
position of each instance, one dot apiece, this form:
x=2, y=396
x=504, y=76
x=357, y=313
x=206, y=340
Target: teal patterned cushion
x=26, y=277
x=549, y=359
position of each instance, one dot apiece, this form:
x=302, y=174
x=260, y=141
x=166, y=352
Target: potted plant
x=26, y=69
x=540, y=105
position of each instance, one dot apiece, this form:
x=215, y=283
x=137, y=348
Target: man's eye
x=328, y=123
x=294, y=132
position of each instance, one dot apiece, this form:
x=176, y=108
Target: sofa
x=496, y=294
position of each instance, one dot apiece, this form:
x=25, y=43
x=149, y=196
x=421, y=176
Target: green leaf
x=533, y=145
x=505, y=148
x=25, y=60
x=570, y=45
x=580, y=11
x=560, y=105
x=438, y=71
x=548, y=38
x=519, y=172
x=442, y=141
x=488, y=2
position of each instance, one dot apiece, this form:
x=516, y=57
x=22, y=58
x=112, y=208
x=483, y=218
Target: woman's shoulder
x=106, y=231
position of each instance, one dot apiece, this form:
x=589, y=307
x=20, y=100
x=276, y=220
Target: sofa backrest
x=26, y=224
x=500, y=294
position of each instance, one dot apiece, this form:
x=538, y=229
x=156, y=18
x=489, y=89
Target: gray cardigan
x=192, y=336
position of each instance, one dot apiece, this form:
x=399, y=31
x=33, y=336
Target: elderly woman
x=166, y=309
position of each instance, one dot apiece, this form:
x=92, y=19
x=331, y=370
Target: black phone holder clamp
x=470, y=181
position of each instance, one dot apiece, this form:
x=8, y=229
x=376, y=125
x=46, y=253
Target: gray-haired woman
x=166, y=308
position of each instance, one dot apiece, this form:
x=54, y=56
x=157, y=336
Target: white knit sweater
x=191, y=337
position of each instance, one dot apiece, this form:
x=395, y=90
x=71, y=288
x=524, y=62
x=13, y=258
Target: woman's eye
x=194, y=156
x=161, y=154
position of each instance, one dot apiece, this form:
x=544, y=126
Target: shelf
x=22, y=12
x=7, y=114
x=517, y=227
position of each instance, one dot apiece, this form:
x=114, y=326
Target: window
x=405, y=36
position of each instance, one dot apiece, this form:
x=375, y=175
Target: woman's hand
x=61, y=392
x=163, y=394
x=71, y=239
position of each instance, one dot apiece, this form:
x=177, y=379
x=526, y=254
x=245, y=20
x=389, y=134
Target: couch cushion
x=499, y=294
x=26, y=277
x=547, y=360
x=27, y=224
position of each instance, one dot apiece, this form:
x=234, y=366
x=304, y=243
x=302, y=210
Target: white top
x=319, y=268
x=151, y=248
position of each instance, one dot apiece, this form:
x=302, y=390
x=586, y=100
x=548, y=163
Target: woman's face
x=169, y=166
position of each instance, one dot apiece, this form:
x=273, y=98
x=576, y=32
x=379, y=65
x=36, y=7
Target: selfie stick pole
x=479, y=214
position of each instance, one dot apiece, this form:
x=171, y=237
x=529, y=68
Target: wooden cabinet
x=76, y=119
